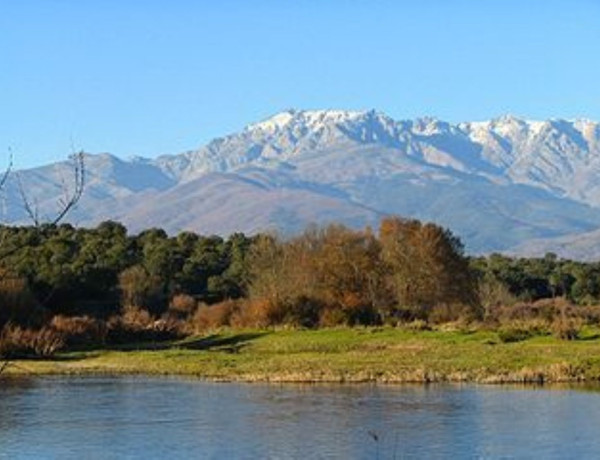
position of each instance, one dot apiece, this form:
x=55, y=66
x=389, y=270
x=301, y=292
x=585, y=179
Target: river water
x=151, y=418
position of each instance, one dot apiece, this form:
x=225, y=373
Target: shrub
x=20, y=342
x=212, y=316
x=17, y=303
x=493, y=296
x=140, y=288
x=447, y=313
x=138, y=325
x=136, y=317
x=331, y=317
x=517, y=331
x=79, y=330
x=589, y=314
x=303, y=311
x=182, y=305
x=256, y=313
x=567, y=328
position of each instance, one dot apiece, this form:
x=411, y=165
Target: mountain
x=497, y=184
x=580, y=246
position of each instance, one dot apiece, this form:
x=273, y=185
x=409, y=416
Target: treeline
x=77, y=271
x=61, y=285
x=505, y=279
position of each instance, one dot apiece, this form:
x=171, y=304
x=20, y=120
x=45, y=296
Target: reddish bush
x=214, y=316
x=257, y=313
x=138, y=325
x=19, y=342
x=182, y=305
x=79, y=330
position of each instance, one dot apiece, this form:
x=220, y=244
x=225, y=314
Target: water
x=98, y=418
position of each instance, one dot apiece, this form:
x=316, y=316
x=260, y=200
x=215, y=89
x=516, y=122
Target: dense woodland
x=63, y=286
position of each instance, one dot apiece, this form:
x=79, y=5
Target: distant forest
x=78, y=285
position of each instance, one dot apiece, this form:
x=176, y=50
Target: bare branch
x=30, y=208
x=7, y=171
x=71, y=197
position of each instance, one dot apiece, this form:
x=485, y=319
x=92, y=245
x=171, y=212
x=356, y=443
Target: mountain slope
x=497, y=183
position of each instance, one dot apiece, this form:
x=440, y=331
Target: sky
x=148, y=77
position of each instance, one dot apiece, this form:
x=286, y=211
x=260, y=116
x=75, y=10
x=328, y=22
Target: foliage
x=78, y=286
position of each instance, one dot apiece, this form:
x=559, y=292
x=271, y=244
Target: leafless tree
x=7, y=171
x=72, y=191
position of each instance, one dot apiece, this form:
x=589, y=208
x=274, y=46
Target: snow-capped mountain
x=496, y=183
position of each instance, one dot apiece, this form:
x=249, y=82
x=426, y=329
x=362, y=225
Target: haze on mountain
x=497, y=184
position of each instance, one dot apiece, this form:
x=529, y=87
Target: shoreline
x=338, y=356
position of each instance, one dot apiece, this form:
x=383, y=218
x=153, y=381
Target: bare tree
x=7, y=171
x=71, y=193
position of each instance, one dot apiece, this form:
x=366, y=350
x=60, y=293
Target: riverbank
x=382, y=355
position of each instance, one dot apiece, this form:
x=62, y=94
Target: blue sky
x=149, y=77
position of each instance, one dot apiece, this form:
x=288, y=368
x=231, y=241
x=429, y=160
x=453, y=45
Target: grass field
x=385, y=355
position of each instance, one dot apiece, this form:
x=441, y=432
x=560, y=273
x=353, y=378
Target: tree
x=331, y=270
x=425, y=266
x=72, y=191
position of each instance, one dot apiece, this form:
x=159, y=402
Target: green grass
x=343, y=355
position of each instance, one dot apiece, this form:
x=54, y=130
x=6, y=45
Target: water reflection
x=177, y=418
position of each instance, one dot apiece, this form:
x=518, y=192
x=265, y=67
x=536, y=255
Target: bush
x=303, y=312
x=17, y=303
x=140, y=288
x=331, y=317
x=567, y=328
x=182, y=305
x=256, y=313
x=17, y=342
x=136, y=318
x=214, y=316
x=518, y=331
x=493, y=296
x=138, y=325
x=448, y=313
x=79, y=330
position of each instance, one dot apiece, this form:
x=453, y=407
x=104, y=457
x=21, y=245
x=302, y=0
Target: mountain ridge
x=496, y=183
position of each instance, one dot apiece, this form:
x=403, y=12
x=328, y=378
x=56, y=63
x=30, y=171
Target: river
x=156, y=418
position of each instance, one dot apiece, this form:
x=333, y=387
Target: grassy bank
x=383, y=355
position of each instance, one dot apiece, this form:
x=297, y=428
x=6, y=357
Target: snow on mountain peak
x=312, y=119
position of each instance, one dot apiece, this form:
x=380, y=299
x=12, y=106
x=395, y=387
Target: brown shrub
x=331, y=317
x=138, y=325
x=136, y=317
x=182, y=305
x=566, y=328
x=79, y=330
x=20, y=342
x=543, y=309
x=214, y=316
x=589, y=314
x=256, y=313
